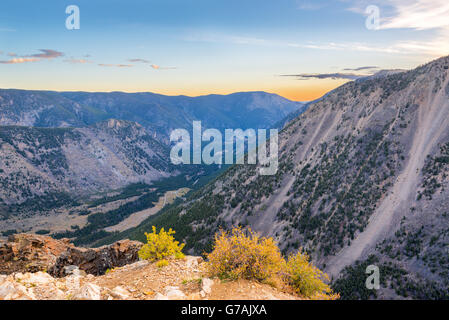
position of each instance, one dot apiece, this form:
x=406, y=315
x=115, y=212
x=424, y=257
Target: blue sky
x=296, y=48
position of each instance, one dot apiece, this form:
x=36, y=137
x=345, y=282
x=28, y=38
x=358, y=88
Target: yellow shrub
x=306, y=279
x=247, y=255
x=160, y=245
x=162, y=263
x=236, y=255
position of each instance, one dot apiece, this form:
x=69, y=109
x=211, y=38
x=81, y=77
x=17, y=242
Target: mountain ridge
x=157, y=113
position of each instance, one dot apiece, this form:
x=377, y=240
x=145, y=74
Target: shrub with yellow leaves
x=161, y=245
x=306, y=279
x=245, y=254
x=237, y=255
x=162, y=263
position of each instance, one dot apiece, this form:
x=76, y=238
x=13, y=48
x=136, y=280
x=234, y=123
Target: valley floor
x=138, y=217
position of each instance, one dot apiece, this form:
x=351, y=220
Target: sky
x=299, y=49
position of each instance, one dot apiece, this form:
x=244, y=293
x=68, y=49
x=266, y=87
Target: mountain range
x=157, y=113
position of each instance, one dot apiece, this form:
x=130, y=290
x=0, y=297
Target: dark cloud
x=361, y=68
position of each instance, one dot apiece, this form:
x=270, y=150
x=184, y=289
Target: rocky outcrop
x=181, y=279
x=33, y=253
x=30, y=253
x=97, y=260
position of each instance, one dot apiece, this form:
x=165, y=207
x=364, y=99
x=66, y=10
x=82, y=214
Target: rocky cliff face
x=363, y=173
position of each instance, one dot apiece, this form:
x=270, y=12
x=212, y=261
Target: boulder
x=72, y=270
x=97, y=260
x=120, y=293
x=88, y=292
x=159, y=296
x=38, y=278
x=206, y=285
x=10, y=290
x=173, y=293
x=193, y=262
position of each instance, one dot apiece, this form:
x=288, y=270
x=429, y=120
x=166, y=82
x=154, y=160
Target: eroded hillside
x=45, y=161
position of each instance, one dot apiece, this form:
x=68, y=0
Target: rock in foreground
x=32, y=253
x=180, y=280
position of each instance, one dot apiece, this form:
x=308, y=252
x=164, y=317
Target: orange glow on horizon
x=310, y=92
x=304, y=93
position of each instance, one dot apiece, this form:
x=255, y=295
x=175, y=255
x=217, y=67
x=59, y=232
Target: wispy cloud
x=139, y=60
x=407, y=14
x=310, y=5
x=419, y=15
x=115, y=65
x=346, y=46
x=334, y=46
x=46, y=54
x=19, y=60
x=357, y=73
x=157, y=67
x=333, y=76
x=76, y=61
x=226, y=38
